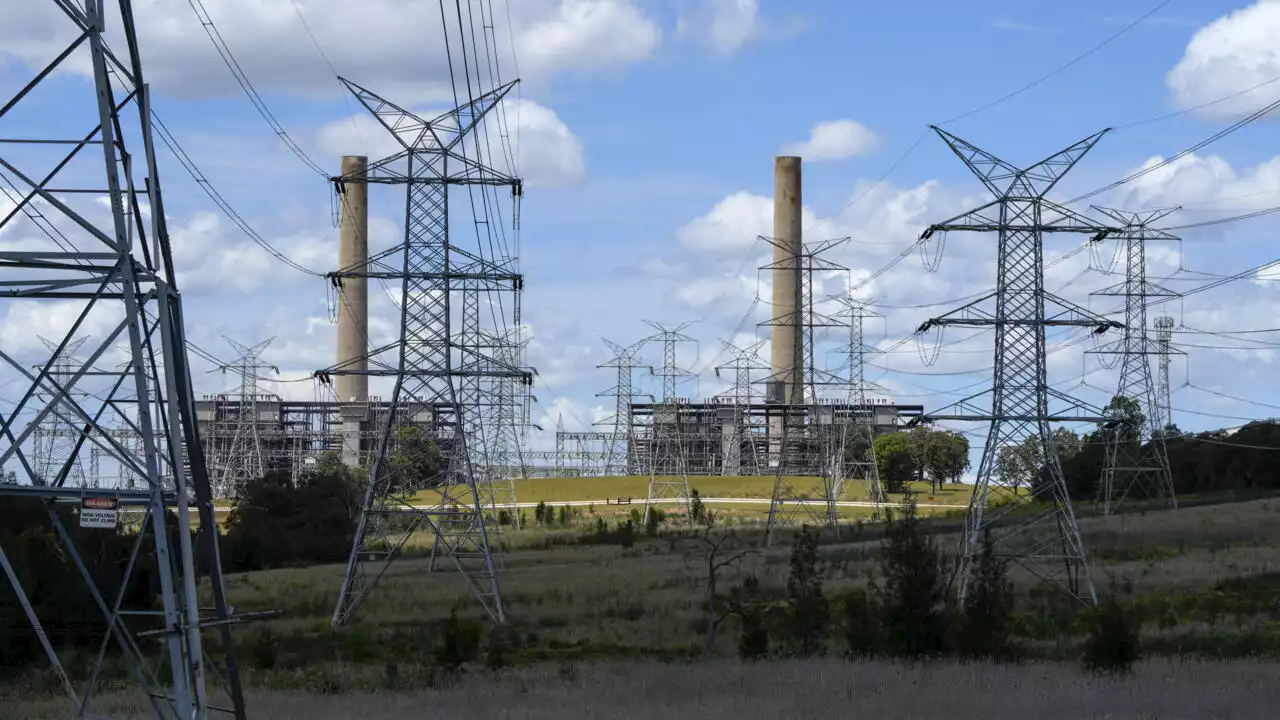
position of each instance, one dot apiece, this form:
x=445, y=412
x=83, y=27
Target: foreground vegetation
x=730, y=690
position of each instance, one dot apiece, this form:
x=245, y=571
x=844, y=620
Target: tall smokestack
x=786, y=347
x=353, y=305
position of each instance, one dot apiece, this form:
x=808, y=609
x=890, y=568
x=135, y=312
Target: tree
x=986, y=627
x=417, y=462
x=954, y=458
x=275, y=523
x=944, y=454
x=896, y=461
x=913, y=597
x=720, y=551
x=807, y=610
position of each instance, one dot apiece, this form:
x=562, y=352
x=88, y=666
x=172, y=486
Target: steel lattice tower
x=57, y=440
x=1042, y=537
x=811, y=443
x=745, y=360
x=1136, y=454
x=432, y=370
x=668, y=464
x=1165, y=350
x=505, y=458
x=116, y=266
x=620, y=458
x=863, y=425
x=237, y=455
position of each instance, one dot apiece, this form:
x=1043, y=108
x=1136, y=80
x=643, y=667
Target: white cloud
x=1229, y=55
x=547, y=151
x=736, y=221
x=834, y=140
x=724, y=26
x=398, y=44
x=1204, y=179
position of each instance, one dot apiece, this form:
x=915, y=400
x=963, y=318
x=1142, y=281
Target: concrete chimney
x=353, y=306
x=786, y=352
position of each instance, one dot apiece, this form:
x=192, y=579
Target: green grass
x=636, y=487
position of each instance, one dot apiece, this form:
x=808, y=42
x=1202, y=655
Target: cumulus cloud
x=1204, y=179
x=1230, y=55
x=724, y=26
x=397, y=43
x=736, y=221
x=547, y=152
x=834, y=140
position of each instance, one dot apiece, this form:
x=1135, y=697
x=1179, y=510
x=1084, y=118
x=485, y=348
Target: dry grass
x=798, y=689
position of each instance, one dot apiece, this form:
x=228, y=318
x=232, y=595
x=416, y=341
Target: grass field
x=1205, y=579
x=728, y=690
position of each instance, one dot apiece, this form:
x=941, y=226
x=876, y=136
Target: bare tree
x=715, y=551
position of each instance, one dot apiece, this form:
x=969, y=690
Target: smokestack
x=353, y=305
x=786, y=352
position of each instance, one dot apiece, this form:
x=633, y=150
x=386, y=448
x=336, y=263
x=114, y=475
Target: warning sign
x=98, y=513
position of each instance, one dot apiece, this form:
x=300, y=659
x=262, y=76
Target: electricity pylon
x=109, y=266
x=745, y=360
x=429, y=363
x=810, y=443
x=1040, y=536
x=620, y=457
x=668, y=463
x=57, y=439
x=237, y=455
x=862, y=424
x=1136, y=454
x=1165, y=352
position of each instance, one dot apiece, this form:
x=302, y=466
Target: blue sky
x=649, y=131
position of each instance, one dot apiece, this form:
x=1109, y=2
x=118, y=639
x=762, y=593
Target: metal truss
x=109, y=267
x=863, y=427
x=809, y=443
x=621, y=459
x=434, y=368
x=734, y=421
x=236, y=449
x=1136, y=454
x=1162, y=415
x=1041, y=536
x=56, y=447
x=667, y=461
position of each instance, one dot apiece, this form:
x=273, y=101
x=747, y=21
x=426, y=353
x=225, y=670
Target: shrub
x=260, y=648
x=459, y=642
x=1114, y=642
x=862, y=634
x=808, y=613
x=753, y=644
x=986, y=626
x=697, y=511
x=913, y=598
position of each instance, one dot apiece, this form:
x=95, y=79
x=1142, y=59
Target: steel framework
x=1165, y=352
x=1040, y=536
x=735, y=432
x=810, y=443
x=431, y=365
x=863, y=428
x=620, y=459
x=1136, y=454
x=237, y=451
x=667, y=461
x=114, y=270
x=56, y=447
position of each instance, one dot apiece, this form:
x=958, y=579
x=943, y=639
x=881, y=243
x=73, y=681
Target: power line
x=1062, y=68
x=229, y=59
x=198, y=175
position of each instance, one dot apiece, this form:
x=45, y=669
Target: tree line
x=918, y=454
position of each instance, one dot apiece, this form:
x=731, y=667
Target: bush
x=1114, y=642
x=753, y=644
x=459, y=642
x=697, y=511
x=655, y=519
x=862, y=618
x=808, y=614
x=986, y=627
x=913, y=598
